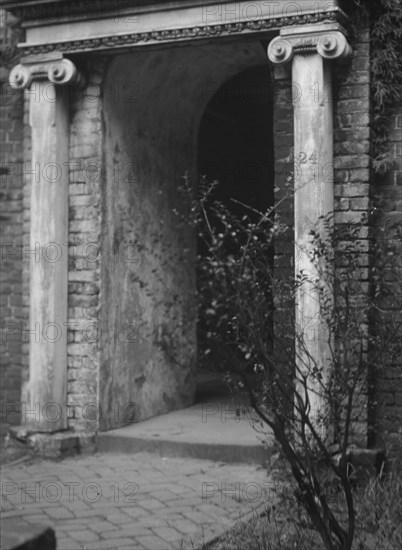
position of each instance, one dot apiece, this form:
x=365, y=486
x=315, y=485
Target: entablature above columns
x=124, y=25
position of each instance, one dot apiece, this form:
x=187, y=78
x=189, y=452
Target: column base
x=364, y=463
x=52, y=446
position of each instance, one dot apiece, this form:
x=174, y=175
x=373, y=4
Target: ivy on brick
x=386, y=73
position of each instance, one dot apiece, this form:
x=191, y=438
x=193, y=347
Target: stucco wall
x=153, y=102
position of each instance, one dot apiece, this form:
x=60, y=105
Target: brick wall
x=11, y=136
x=351, y=200
x=284, y=182
x=386, y=201
x=86, y=177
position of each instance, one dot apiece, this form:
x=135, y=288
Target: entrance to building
x=180, y=106
x=235, y=148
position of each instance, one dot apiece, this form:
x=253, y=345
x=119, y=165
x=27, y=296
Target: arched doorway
x=235, y=148
x=148, y=265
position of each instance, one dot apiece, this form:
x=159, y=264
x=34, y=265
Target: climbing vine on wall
x=386, y=73
x=10, y=35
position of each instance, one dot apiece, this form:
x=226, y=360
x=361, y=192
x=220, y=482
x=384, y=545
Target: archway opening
x=235, y=149
x=148, y=267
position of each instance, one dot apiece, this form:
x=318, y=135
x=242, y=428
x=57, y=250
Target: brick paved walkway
x=130, y=502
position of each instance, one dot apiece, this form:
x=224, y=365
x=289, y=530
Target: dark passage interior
x=235, y=147
x=235, y=143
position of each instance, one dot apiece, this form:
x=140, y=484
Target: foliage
x=379, y=512
x=10, y=35
x=283, y=525
x=311, y=404
x=276, y=529
x=386, y=73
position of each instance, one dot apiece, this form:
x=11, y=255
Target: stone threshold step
x=210, y=431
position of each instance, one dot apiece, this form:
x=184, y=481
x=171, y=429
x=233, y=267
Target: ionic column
x=49, y=120
x=310, y=49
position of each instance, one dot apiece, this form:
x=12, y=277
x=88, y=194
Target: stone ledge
x=371, y=461
x=51, y=445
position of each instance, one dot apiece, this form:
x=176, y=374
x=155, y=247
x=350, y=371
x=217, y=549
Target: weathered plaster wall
x=153, y=102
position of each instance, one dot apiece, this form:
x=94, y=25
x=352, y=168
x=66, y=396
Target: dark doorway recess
x=235, y=143
x=235, y=146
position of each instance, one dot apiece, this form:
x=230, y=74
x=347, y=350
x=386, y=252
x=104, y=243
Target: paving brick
x=135, y=511
x=69, y=527
x=90, y=513
x=137, y=546
x=59, y=513
x=102, y=526
x=119, y=518
x=23, y=511
x=67, y=544
x=152, y=504
x=113, y=544
x=128, y=531
x=84, y=536
x=38, y=518
x=167, y=533
x=185, y=525
x=152, y=521
x=77, y=506
x=153, y=542
x=199, y=517
x=163, y=496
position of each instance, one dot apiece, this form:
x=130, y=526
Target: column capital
x=56, y=69
x=327, y=39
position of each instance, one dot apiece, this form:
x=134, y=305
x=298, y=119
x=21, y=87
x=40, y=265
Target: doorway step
x=216, y=427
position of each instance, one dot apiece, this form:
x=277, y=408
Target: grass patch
x=285, y=526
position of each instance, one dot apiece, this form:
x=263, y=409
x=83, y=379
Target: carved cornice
x=58, y=71
x=182, y=34
x=329, y=43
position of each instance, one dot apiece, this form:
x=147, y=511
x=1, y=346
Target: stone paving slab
x=130, y=502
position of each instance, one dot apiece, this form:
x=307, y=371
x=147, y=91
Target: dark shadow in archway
x=236, y=139
x=235, y=147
